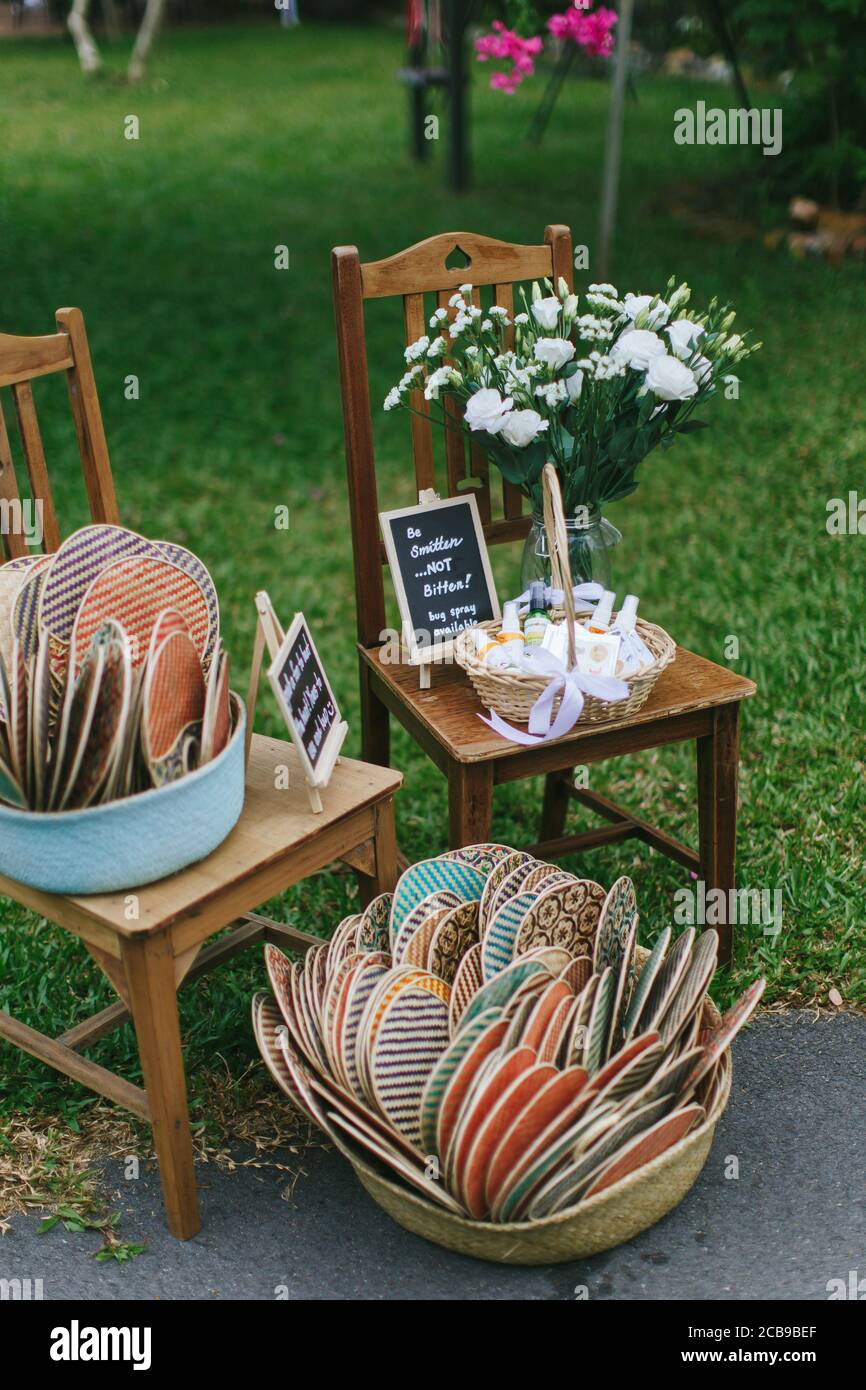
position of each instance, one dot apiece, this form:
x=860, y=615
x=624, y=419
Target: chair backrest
x=418, y=271
x=21, y=361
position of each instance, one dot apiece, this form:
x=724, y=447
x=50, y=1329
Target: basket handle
x=557, y=544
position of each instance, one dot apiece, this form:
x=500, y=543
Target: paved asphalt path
x=793, y=1219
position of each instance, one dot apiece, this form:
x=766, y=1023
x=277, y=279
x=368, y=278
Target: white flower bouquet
x=593, y=392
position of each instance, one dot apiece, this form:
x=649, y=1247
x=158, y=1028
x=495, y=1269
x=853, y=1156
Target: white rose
x=521, y=427
x=546, y=312
x=670, y=380
x=486, y=410
x=635, y=304
x=638, y=347
x=554, y=352
x=574, y=385
x=683, y=335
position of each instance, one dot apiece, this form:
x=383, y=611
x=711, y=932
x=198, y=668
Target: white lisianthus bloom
x=574, y=385
x=638, y=305
x=670, y=379
x=521, y=319
x=637, y=347
x=683, y=335
x=553, y=352
x=521, y=427
x=392, y=399
x=546, y=312
x=486, y=410
x=569, y=306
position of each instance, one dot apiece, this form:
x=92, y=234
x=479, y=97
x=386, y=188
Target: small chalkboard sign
x=441, y=572
x=305, y=698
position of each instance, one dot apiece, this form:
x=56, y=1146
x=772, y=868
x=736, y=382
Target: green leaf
x=621, y=442
x=47, y=1225
x=689, y=426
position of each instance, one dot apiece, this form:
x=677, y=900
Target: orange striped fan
x=134, y=592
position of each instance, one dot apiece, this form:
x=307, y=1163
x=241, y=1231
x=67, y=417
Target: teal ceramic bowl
x=127, y=843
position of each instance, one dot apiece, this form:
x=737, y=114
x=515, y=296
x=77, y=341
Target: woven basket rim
x=591, y=1205
x=92, y=813
x=467, y=658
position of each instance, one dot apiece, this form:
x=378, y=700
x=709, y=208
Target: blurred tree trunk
x=145, y=38
x=85, y=45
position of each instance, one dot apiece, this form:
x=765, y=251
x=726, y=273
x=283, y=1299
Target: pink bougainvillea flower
x=591, y=30
x=506, y=46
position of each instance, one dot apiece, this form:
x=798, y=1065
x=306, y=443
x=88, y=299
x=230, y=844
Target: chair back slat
x=411, y=274
x=422, y=269
x=455, y=448
x=84, y=401
x=22, y=360
x=34, y=456
x=12, y=540
x=422, y=429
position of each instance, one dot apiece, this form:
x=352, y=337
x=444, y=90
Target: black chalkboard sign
x=306, y=699
x=441, y=571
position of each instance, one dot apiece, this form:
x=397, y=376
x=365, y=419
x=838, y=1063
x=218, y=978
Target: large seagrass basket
x=615, y=1215
x=512, y=695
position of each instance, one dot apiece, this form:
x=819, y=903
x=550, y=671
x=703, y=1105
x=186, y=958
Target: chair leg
x=470, y=803
x=149, y=965
x=554, y=807
x=375, y=723
x=718, y=769
x=385, y=853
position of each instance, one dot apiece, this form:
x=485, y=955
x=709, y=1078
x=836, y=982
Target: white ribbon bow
x=585, y=596
x=573, y=684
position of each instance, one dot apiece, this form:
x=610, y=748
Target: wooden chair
x=694, y=699
x=276, y=843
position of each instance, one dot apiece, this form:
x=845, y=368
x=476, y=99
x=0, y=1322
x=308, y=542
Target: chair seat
x=275, y=826
x=445, y=716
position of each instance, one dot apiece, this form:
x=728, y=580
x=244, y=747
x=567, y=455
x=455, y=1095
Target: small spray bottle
x=511, y=638
x=634, y=655
x=536, y=622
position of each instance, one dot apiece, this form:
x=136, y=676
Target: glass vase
x=591, y=538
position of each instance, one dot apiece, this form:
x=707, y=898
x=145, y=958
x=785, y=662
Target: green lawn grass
x=251, y=139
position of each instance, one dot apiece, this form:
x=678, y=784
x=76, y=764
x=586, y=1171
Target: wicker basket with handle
x=512, y=694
